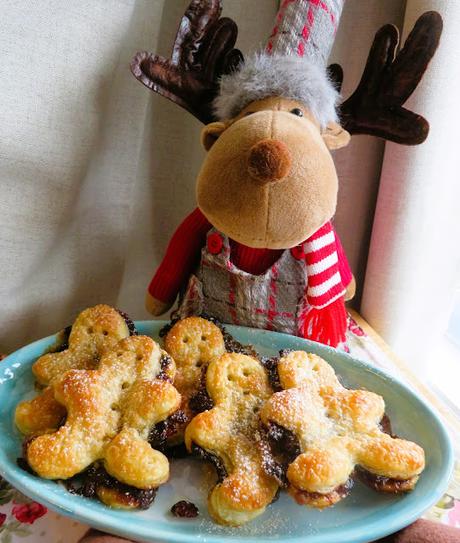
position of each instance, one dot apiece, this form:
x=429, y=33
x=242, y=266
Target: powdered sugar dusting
x=270, y=526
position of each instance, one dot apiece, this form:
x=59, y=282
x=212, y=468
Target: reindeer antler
x=375, y=107
x=202, y=52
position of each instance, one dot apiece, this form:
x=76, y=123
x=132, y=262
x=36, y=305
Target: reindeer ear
x=210, y=133
x=335, y=136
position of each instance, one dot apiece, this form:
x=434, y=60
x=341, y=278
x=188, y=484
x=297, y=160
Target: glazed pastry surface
x=238, y=386
x=337, y=429
x=192, y=342
x=96, y=330
x=110, y=411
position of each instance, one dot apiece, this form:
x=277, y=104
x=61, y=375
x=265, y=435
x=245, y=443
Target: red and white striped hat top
x=305, y=28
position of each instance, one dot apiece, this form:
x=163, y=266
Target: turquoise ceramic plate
x=363, y=516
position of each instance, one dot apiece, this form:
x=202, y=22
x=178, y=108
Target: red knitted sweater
x=183, y=255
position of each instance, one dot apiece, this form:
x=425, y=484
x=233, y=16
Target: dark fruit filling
x=341, y=490
x=25, y=445
x=383, y=484
x=165, y=429
x=283, y=442
x=62, y=341
x=215, y=460
x=212, y=319
x=270, y=465
x=23, y=464
x=96, y=477
x=184, y=509
x=129, y=323
x=277, y=495
x=285, y=352
x=385, y=425
x=271, y=367
x=279, y=447
x=167, y=327
x=234, y=346
x=165, y=362
x=303, y=497
x=201, y=401
x=176, y=451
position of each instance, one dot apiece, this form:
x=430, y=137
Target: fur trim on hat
x=262, y=76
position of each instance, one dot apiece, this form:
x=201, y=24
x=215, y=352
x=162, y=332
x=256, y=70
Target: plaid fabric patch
x=274, y=300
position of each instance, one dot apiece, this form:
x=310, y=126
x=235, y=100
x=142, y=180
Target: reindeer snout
x=269, y=160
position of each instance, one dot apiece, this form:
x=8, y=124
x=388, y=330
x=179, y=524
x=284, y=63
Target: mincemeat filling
x=215, y=460
x=383, y=484
x=96, y=477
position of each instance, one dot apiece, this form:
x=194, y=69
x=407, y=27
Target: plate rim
x=21, y=479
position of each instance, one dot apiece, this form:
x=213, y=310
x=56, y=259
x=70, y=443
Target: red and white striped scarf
x=325, y=320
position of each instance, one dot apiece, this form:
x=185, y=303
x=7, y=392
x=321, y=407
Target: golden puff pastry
x=40, y=414
x=110, y=411
x=227, y=435
x=192, y=342
x=325, y=431
x=96, y=330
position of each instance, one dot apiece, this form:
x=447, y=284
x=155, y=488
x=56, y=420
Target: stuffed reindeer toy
x=260, y=249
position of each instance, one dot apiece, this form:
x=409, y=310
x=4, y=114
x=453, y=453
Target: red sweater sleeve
x=181, y=257
x=344, y=267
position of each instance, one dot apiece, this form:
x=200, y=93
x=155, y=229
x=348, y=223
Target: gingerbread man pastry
x=192, y=342
x=227, y=435
x=96, y=330
x=110, y=411
x=325, y=431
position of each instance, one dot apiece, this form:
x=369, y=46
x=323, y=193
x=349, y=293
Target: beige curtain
x=96, y=171
x=359, y=163
x=414, y=257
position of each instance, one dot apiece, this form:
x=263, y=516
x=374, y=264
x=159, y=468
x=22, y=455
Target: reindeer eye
x=297, y=111
x=248, y=113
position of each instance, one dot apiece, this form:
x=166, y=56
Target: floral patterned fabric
x=22, y=519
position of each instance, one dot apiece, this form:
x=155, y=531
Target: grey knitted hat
x=293, y=64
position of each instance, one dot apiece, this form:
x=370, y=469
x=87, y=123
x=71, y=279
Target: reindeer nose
x=269, y=160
